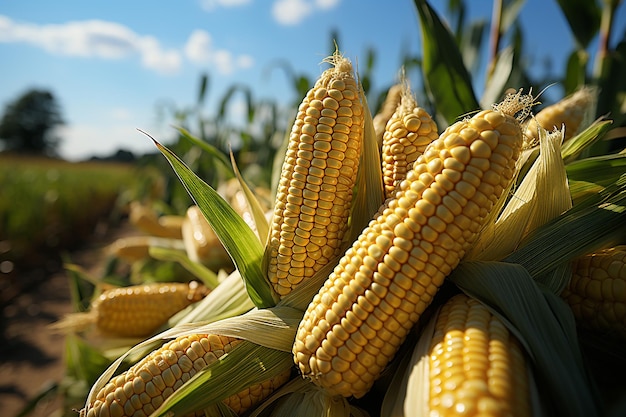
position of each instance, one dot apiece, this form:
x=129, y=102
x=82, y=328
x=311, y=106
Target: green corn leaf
x=239, y=240
x=578, y=231
x=544, y=328
x=447, y=80
x=579, y=143
x=207, y=147
x=601, y=170
x=583, y=17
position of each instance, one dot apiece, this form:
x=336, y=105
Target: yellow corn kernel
x=145, y=386
x=139, y=310
x=361, y=315
x=597, y=291
x=407, y=134
x=476, y=366
x=318, y=176
x=570, y=111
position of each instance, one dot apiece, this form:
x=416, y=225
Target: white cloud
x=199, y=49
x=92, y=38
x=292, y=12
x=326, y=4
x=210, y=5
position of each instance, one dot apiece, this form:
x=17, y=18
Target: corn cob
x=201, y=243
x=597, y=291
x=143, y=388
x=135, y=248
x=315, y=190
x=407, y=133
x=570, y=111
x=362, y=314
x=147, y=220
x=134, y=311
x=476, y=366
x=391, y=103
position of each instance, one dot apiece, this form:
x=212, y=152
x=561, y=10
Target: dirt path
x=31, y=355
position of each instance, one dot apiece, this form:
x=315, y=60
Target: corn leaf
x=601, y=170
x=309, y=400
x=584, y=19
x=239, y=240
x=255, y=207
x=274, y=327
x=446, y=79
x=511, y=291
x=576, y=145
x=204, y=274
x=251, y=363
x=578, y=231
x=228, y=299
x=207, y=147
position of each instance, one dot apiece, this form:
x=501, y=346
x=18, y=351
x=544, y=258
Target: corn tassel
x=362, y=314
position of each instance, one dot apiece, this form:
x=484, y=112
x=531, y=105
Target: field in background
x=48, y=206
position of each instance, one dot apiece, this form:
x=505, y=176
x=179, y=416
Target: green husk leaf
x=542, y=195
x=228, y=299
x=544, y=329
x=578, y=231
x=601, y=170
x=240, y=242
x=274, y=327
x=576, y=145
x=258, y=216
x=251, y=363
x=446, y=79
x=580, y=190
x=204, y=274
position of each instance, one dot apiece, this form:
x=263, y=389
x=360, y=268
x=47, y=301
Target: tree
x=29, y=122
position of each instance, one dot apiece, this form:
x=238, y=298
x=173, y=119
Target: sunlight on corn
x=362, y=314
x=318, y=176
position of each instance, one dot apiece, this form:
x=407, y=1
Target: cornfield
x=431, y=258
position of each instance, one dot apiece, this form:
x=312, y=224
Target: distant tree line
x=28, y=124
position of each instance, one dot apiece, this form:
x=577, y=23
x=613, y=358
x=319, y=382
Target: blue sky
x=111, y=64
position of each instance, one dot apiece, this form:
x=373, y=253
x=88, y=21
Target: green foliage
x=28, y=123
x=48, y=205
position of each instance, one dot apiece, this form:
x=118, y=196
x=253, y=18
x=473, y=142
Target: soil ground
x=31, y=355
